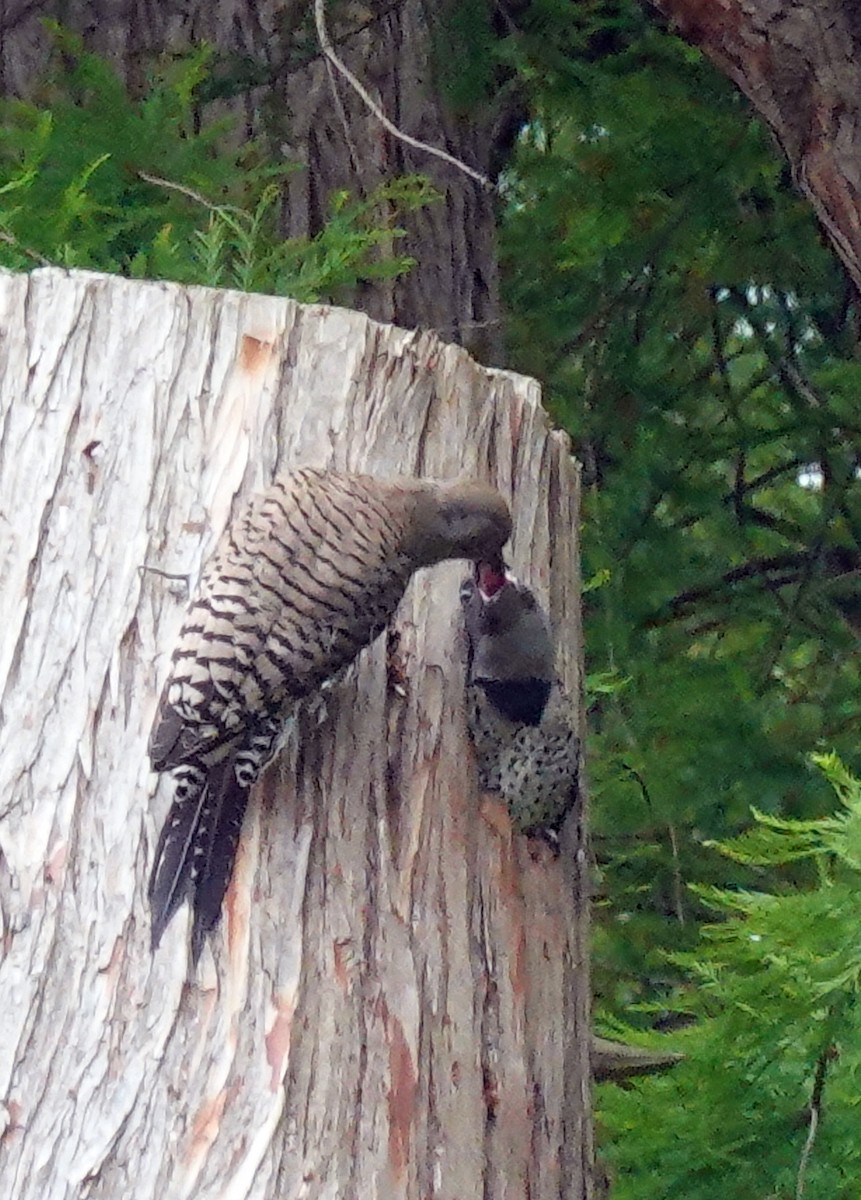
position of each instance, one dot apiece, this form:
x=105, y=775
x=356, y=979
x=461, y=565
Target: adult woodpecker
x=306, y=575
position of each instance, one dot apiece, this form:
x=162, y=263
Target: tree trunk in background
x=799, y=63
x=396, y=1002
x=317, y=120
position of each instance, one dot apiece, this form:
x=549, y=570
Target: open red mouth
x=491, y=577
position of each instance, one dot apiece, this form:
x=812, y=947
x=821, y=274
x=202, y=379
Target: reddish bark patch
x=706, y=22
x=54, y=870
x=495, y=813
x=278, y=1043
x=14, y=1122
x=340, y=952
x=401, y=1094
x=205, y=1125
x=234, y=911
x=254, y=354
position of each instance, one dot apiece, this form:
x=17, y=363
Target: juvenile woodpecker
x=519, y=717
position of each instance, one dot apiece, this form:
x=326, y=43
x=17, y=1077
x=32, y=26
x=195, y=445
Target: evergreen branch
x=753, y=569
x=785, y=368
x=766, y=477
x=749, y=514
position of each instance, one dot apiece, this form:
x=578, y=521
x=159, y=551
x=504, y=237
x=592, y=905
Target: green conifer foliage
x=146, y=186
x=766, y=1103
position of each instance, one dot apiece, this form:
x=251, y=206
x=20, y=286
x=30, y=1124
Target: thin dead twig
x=329, y=51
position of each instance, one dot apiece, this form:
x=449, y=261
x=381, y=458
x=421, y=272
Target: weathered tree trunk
x=396, y=1004
x=273, y=66
x=799, y=63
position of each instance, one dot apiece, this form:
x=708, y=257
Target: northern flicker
x=519, y=716
x=307, y=574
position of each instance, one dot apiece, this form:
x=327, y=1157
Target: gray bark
x=396, y=1002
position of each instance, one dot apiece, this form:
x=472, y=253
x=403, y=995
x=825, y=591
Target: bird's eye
x=467, y=590
x=458, y=514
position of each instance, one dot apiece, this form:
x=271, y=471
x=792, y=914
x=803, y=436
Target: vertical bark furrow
x=387, y=1004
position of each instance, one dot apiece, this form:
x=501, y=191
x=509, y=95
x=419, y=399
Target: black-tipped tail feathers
x=195, y=852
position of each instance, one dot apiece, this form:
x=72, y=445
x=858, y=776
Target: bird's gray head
x=464, y=519
x=509, y=632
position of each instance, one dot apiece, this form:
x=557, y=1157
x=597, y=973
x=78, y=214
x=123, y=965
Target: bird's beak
x=491, y=577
